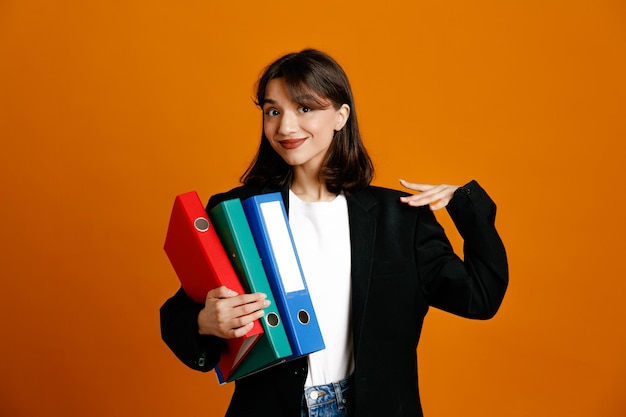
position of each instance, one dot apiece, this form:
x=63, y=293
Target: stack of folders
x=201, y=264
x=257, y=236
x=254, y=236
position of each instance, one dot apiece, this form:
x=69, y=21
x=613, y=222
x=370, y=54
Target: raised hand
x=437, y=196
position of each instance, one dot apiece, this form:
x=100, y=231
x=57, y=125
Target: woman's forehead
x=298, y=92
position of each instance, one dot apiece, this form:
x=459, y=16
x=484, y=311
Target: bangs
x=310, y=84
x=305, y=96
x=312, y=78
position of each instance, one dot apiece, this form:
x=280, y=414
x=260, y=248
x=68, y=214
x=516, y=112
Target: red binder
x=201, y=263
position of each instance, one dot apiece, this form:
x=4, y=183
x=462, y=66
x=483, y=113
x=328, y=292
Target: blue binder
x=268, y=222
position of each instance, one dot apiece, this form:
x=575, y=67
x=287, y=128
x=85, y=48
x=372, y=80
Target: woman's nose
x=288, y=123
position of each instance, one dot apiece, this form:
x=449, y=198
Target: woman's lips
x=291, y=143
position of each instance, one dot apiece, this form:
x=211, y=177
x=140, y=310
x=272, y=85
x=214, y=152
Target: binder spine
x=270, y=229
x=234, y=232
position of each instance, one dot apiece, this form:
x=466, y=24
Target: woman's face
x=297, y=128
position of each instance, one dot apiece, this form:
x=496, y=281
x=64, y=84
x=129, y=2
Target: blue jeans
x=331, y=400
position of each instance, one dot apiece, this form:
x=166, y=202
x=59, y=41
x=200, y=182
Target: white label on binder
x=283, y=249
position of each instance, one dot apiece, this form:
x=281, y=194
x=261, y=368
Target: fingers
x=221, y=292
x=416, y=186
x=240, y=331
x=229, y=315
x=243, y=324
x=226, y=293
x=437, y=196
x=439, y=205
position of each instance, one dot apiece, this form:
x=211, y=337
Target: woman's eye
x=272, y=112
x=304, y=109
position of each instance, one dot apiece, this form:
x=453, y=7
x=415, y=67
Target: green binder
x=233, y=230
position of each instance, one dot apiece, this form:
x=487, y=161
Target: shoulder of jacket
x=384, y=191
x=374, y=196
x=378, y=194
x=240, y=192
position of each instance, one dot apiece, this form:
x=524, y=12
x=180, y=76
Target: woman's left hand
x=438, y=196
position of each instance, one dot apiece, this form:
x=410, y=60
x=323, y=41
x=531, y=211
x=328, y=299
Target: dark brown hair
x=347, y=166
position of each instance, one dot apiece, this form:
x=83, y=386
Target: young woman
x=375, y=259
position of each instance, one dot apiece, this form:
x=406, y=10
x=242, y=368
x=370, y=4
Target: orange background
x=110, y=109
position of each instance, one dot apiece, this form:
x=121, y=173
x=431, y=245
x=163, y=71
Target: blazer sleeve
x=474, y=286
x=179, y=331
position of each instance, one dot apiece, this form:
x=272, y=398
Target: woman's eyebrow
x=307, y=98
x=301, y=100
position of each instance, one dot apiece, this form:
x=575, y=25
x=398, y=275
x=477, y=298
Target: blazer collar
x=362, y=236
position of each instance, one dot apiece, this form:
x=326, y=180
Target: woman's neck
x=310, y=189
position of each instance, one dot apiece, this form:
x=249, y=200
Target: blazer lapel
x=362, y=234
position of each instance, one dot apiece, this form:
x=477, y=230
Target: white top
x=322, y=236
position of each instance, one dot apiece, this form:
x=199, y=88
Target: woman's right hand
x=227, y=314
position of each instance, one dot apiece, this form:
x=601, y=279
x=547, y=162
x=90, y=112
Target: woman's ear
x=342, y=116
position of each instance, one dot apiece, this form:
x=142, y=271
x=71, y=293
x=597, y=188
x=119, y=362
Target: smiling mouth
x=291, y=143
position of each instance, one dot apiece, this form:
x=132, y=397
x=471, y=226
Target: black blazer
x=402, y=263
